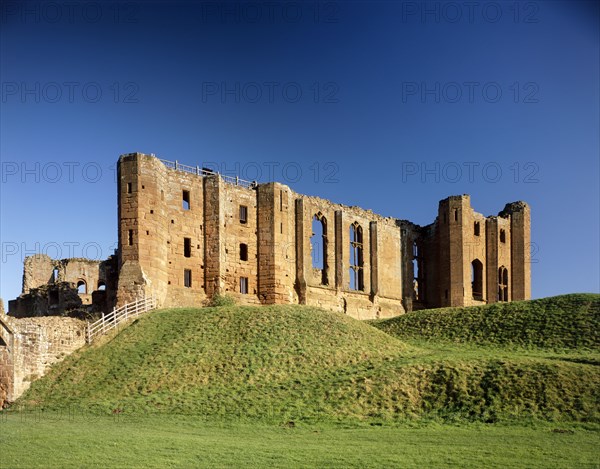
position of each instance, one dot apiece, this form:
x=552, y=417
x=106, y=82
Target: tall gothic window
x=318, y=244
x=357, y=280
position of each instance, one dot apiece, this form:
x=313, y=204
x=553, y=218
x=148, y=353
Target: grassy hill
x=295, y=363
x=559, y=322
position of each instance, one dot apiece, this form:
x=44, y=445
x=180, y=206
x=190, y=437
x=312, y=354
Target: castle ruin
x=187, y=234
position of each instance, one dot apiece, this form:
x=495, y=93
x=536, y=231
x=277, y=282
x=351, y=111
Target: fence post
x=103, y=323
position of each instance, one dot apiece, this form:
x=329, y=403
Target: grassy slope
x=299, y=363
x=567, y=321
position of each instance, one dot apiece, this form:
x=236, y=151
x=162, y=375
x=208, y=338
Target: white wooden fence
x=118, y=316
x=177, y=166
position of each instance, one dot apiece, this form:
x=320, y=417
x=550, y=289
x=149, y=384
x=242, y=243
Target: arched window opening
x=101, y=286
x=477, y=279
x=55, y=275
x=81, y=287
x=318, y=245
x=356, y=258
x=502, y=284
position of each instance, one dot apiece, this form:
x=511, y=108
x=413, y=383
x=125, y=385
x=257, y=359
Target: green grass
x=293, y=386
x=560, y=322
x=52, y=441
x=301, y=364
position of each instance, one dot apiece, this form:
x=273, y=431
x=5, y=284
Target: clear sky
x=391, y=106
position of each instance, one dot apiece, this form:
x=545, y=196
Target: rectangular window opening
x=244, y=285
x=129, y=187
x=187, y=278
x=187, y=247
x=476, y=229
x=131, y=237
x=186, y=200
x=243, y=252
x=243, y=214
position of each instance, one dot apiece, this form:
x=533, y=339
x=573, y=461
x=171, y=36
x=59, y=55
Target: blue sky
x=391, y=106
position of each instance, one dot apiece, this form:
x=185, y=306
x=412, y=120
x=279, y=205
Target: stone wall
x=6, y=375
x=29, y=346
x=181, y=239
x=65, y=287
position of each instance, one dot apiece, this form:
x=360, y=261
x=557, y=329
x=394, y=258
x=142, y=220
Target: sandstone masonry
x=187, y=234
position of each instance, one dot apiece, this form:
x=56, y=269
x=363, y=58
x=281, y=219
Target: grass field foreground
x=33, y=441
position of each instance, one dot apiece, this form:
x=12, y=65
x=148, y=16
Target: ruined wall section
x=430, y=252
x=285, y=243
x=474, y=251
x=467, y=237
x=459, y=248
x=6, y=363
x=320, y=287
x=186, y=254
x=132, y=280
x=420, y=269
x=381, y=293
x=37, y=271
x=451, y=260
x=82, y=270
x=239, y=233
x=179, y=208
x=498, y=240
x=38, y=343
x=213, y=236
x=6, y=376
x=386, y=267
x=162, y=232
x=276, y=245
x=50, y=287
x=519, y=214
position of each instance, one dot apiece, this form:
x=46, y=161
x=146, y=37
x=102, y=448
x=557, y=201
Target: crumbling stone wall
x=35, y=344
x=6, y=365
x=50, y=287
x=380, y=295
x=160, y=207
x=6, y=376
x=500, y=242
